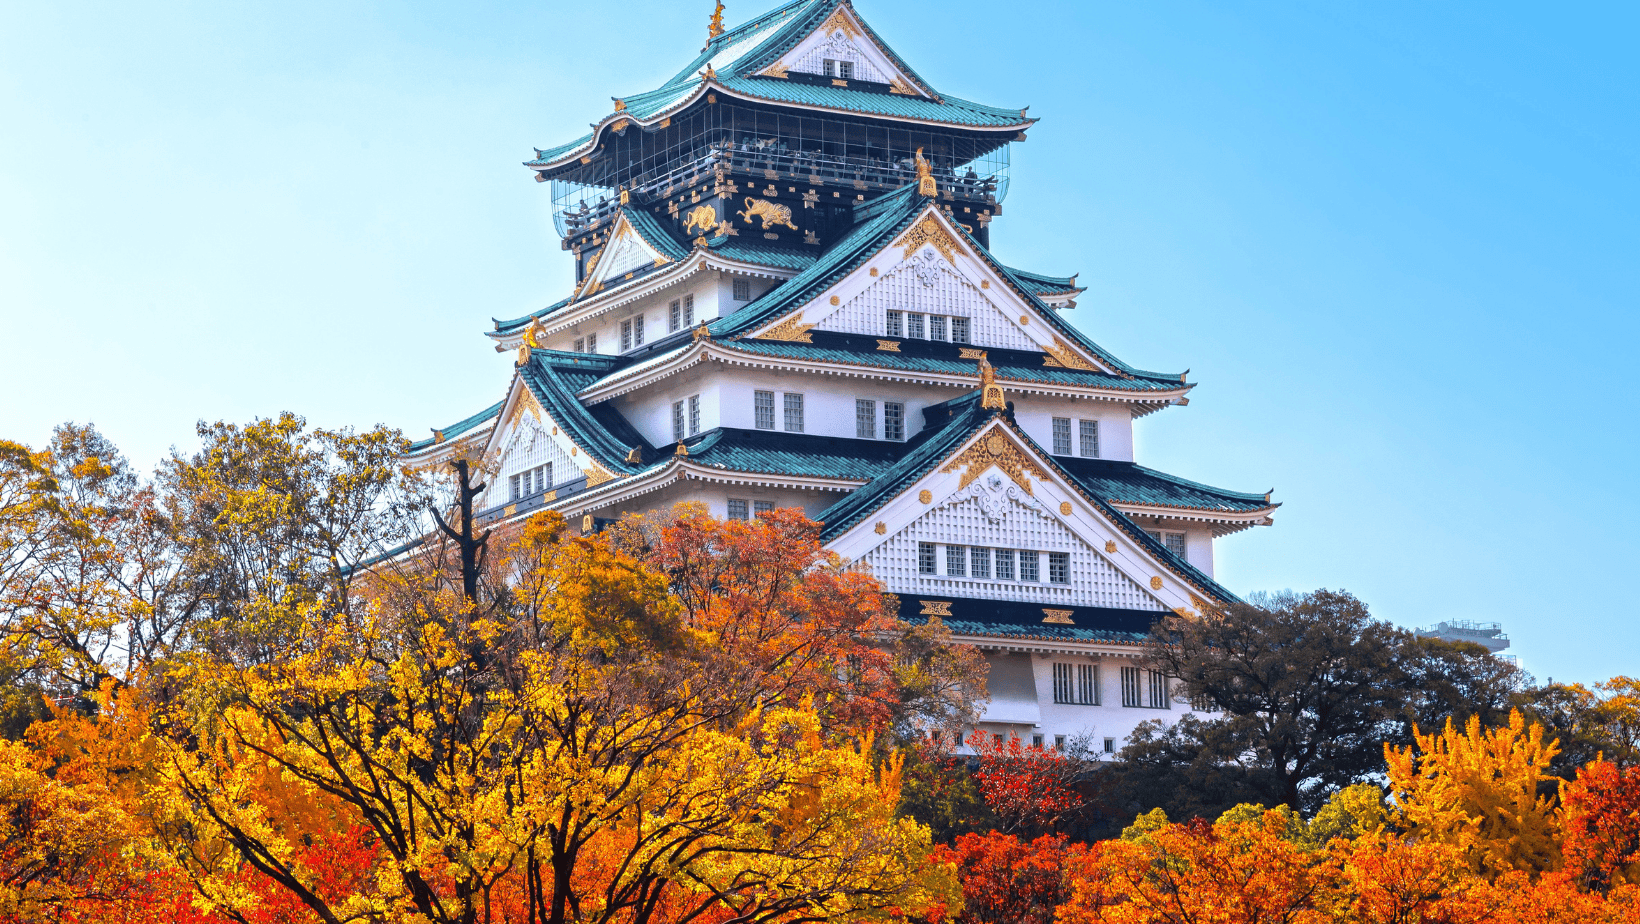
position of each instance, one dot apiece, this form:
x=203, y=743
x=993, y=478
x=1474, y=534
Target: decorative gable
x=840, y=40
x=626, y=253
x=528, y=439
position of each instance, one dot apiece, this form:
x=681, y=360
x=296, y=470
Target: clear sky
x=1395, y=243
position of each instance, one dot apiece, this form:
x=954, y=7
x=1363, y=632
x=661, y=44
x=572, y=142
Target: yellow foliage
x=1478, y=790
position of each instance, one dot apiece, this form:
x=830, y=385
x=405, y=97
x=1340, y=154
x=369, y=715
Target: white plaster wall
x=1035, y=416
x=716, y=498
x=1108, y=719
x=714, y=297
x=1198, y=546
x=650, y=410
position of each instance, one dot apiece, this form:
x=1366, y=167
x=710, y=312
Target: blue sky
x=1395, y=243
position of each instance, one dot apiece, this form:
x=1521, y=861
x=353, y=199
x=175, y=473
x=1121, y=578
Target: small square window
x=845, y=70
x=1029, y=566
x=959, y=330
x=737, y=508
x=1110, y=745
x=1036, y=742
x=763, y=407
x=979, y=562
x=893, y=420
x=743, y=290
x=865, y=418
x=761, y=507
x=1088, y=431
x=956, y=560
x=1174, y=543
x=828, y=67
x=1005, y=564
x=580, y=345
x=1059, y=567
x=896, y=324
x=914, y=326
x=592, y=343
x=1061, y=436
x=794, y=413
x=936, y=327
x=925, y=558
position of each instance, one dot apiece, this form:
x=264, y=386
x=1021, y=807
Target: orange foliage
x=1602, y=825
x=1007, y=880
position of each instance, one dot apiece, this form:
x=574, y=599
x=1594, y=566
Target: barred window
x=694, y=414
x=845, y=70
x=1063, y=689
x=1029, y=565
x=1174, y=543
x=1036, y=742
x=959, y=330
x=896, y=324
x=737, y=508
x=761, y=507
x=592, y=343
x=956, y=560
x=1159, y=698
x=1110, y=745
x=979, y=562
x=674, y=315
x=688, y=311
x=530, y=481
x=1132, y=686
x=936, y=327
x=626, y=335
x=637, y=331
x=794, y=413
x=1059, y=567
x=914, y=326
x=1088, y=431
x=763, y=405
x=1061, y=436
x=865, y=418
x=743, y=290
x=1005, y=564
x=1087, y=684
x=677, y=421
x=893, y=420
x=580, y=345
x=925, y=558
x=1145, y=689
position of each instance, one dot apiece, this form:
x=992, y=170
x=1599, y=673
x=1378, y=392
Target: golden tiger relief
x=703, y=217
x=772, y=213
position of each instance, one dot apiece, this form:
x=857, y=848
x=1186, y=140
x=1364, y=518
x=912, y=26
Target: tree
x=1028, y=789
x=1006, y=880
x=1478, y=790
x=1601, y=820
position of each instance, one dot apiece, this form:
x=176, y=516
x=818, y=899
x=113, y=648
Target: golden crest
x=925, y=177
x=1110, y=546
x=935, y=607
x=1058, y=617
x=969, y=353
x=881, y=528
x=1156, y=582
x=1065, y=508
x=925, y=495
x=597, y=475
x=999, y=451
x=840, y=21
x=792, y=329
x=929, y=231
x=901, y=86
x=1061, y=356
x=889, y=346
x=777, y=69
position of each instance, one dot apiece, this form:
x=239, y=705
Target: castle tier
x=785, y=297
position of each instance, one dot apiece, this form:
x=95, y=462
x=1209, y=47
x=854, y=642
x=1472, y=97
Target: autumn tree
x=1601, y=825
x=1008, y=880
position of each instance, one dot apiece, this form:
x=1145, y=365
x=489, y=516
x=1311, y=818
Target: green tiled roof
x=779, y=453
x=653, y=234
x=1011, y=619
x=440, y=434
x=509, y=326
x=739, y=54
x=554, y=378
x=947, y=426
x=790, y=258
x=1127, y=482
x=1046, y=285
x=945, y=359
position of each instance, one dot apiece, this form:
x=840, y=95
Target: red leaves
x=1029, y=788
x=1602, y=825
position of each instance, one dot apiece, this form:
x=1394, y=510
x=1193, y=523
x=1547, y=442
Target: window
x=580, y=345
x=674, y=315
x=688, y=311
x=637, y=331
x=828, y=67
x=1029, y=565
x=936, y=327
x=1087, y=684
x=763, y=405
x=845, y=70
x=1036, y=742
x=1076, y=684
x=959, y=330
x=1059, y=567
x=979, y=562
x=925, y=558
x=1088, y=431
x=794, y=413
x=531, y=481
x=1005, y=564
x=626, y=335
x=743, y=290
x=737, y=508
x=893, y=420
x=1059, y=742
x=761, y=507
x=1145, y=689
x=865, y=418
x=592, y=343
x=996, y=740
x=694, y=414
x=914, y=326
x=1061, y=436
x=1110, y=745
x=677, y=421
x=1174, y=543
x=1202, y=704
x=896, y=324
x=956, y=560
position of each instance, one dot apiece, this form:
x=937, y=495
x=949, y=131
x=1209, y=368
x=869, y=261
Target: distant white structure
x=1487, y=634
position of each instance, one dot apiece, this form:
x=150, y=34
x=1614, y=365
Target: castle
x=785, y=297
